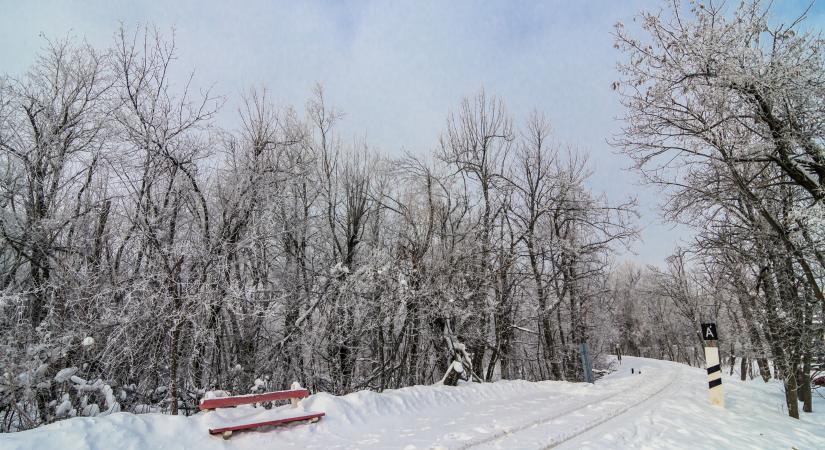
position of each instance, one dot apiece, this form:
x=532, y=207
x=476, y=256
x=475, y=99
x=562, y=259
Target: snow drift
x=664, y=406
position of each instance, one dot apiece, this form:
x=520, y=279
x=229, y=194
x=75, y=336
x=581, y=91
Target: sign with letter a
x=709, y=331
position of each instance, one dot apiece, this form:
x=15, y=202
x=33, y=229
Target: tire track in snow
x=504, y=433
x=589, y=425
x=614, y=413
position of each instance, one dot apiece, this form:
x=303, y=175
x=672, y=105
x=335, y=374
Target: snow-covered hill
x=664, y=406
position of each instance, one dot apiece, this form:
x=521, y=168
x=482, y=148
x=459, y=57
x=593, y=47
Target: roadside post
x=587, y=365
x=710, y=335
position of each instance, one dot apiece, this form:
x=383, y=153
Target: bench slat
x=224, y=402
x=281, y=421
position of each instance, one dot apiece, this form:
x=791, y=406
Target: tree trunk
x=744, y=368
x=173, y=372
x=764, y=369
x=805, y=383
x=791, y=398
x=453, y=375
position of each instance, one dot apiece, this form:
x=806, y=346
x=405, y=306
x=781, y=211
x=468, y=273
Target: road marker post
x=587, y=364
x=710, y=335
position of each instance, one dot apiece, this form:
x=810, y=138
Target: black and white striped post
x=709, y=334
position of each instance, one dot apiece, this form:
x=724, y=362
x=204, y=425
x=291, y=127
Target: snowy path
x=533, y=420
x=663, y=407
x=565, y=426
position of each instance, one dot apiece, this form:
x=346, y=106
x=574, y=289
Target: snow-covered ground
x=665, y=406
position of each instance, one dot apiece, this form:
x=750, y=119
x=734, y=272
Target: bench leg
x=226, y=434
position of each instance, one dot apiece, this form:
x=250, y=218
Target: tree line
x=150, y=255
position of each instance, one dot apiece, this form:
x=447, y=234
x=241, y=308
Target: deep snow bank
x=353, y=413
x=452, y=417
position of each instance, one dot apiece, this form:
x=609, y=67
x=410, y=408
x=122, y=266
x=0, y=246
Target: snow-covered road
x=565, y=424
x=664, y=406
x=543, y=417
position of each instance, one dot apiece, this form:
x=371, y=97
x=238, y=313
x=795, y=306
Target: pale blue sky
x=395, y=68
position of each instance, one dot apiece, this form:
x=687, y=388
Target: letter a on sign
x=709, y=331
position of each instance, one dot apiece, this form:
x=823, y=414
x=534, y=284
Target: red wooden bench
x=226, y=402
x=237, y=400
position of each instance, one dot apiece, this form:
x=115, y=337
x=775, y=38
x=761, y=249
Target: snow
x=88, y=341
x=41, y=370
x=143, y=409
x=259, y=386
x=65, y=374
x=457, y=366
x=214, y=394
x=91, y=410
x=65, y=407
x=665, y=406
x=24, y=378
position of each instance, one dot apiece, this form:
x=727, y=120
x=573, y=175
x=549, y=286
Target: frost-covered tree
x=723, y=110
